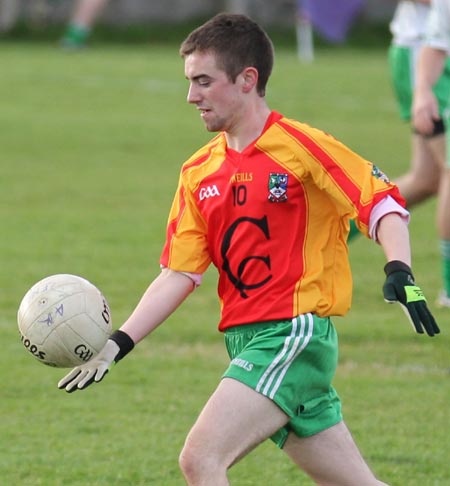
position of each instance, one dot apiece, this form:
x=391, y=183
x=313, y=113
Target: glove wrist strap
x=396, y=266
x=125, y=343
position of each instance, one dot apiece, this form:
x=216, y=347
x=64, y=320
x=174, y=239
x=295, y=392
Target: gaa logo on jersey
x=277, y=187
x=207, y=192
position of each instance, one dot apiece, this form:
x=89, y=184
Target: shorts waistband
x=253, y=326
x=262, y=324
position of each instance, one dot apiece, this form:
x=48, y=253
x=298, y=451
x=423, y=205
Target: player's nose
x=193, y=95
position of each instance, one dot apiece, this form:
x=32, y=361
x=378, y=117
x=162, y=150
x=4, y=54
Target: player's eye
x=204, y=81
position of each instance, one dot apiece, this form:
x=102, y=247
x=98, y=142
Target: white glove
x=117, y=346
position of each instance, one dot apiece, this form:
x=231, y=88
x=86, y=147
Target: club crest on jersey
x=278, y=187
x=379, y=174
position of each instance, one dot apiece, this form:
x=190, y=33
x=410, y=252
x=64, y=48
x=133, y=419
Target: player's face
x=215, y=96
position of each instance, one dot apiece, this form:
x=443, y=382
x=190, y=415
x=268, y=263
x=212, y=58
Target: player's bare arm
x=160, y=300
x=393, y=236
x=400, y=286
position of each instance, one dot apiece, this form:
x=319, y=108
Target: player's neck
x=248, y=129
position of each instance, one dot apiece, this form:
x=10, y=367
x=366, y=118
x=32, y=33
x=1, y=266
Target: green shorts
x=292, y=362
x=402, y=63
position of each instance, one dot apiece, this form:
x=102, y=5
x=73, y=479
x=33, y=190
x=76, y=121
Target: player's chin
x=213, y=126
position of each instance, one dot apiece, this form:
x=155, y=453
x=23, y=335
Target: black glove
x=118, y=345
x=400, y=287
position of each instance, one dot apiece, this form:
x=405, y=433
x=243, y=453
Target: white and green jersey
x=408, y=26
x=438, y=26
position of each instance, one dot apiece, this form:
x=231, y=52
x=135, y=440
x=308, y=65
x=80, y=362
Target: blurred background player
x=433, y=66
x=81, y=23
x=9, y=13
x=427, y=172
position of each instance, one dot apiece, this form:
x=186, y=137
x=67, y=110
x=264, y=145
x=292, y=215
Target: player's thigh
x=234, y=421
x=331, y=457
x=437, y=145
x=442, y=215
x=428, y=158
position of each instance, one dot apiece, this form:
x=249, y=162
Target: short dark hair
x=238, y=42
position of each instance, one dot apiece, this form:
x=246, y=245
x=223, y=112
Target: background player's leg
x=422, y=180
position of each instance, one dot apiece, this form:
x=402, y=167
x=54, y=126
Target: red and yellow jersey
x=274, y=221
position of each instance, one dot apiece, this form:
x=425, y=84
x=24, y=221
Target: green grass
x=90, y=148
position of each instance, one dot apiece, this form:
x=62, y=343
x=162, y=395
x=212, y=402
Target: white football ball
x=64, y=320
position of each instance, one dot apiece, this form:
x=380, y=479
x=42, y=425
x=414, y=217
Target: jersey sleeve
x=186, y=246
x=354, y=183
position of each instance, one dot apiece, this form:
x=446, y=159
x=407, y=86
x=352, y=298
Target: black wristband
x=396, y=266
x=125, y=343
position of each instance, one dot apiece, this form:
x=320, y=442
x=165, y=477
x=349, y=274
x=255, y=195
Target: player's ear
x=249, y=79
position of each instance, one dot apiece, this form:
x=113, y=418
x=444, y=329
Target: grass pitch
x=90, y=148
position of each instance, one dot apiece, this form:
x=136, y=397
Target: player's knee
x=197, y=464
x=187, y=463
x=416, y=191
x=428, y=190
x=190, y=462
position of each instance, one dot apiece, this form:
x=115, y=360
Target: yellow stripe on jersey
x=281, y=253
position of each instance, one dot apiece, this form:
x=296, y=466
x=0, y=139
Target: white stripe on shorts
x=293, y=346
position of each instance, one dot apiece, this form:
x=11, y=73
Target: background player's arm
x=425, y=107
